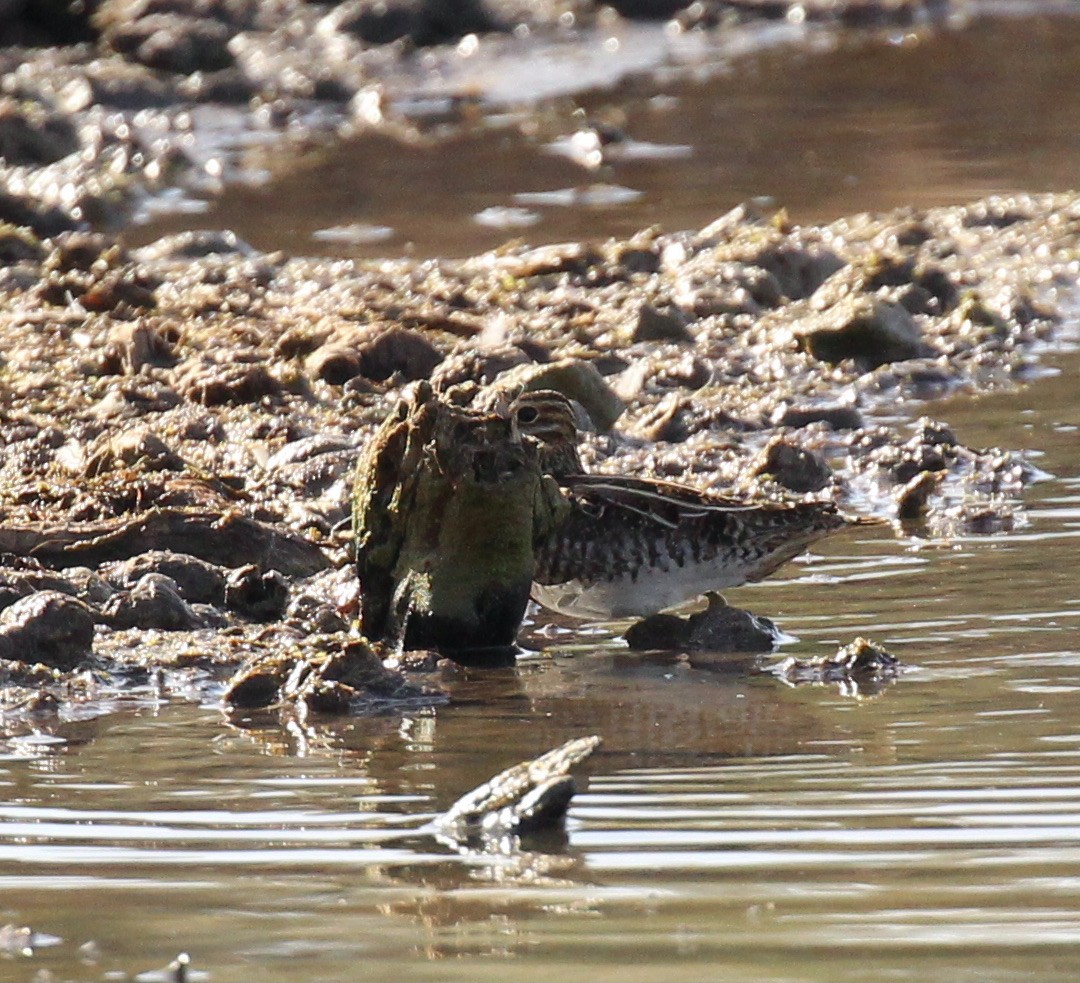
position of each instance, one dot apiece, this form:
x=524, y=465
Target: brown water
x=731, y=827
x=921, y=119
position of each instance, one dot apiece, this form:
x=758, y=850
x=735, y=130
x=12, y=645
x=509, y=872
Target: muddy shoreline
x=181, y=420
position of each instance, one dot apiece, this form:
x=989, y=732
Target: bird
x=629, y=546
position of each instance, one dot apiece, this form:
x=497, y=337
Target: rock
x=527, y=798
x=197, y=581
x=324, y=677
x=335, y=364
x=374, y=21
x=135, y=448
x=861, y=658
x=577, y=380
x=219, y=537
x=913, y=497
x=661, y=324
x=792, y=466
x=255, y=594
x=154, y=602
x=131, y=345
x=397, y=351
x=19, y=245
x=314, y=616
x=837, y=416
x=32, y=135
x=867, y=330
x=173, y=43
x=719, y=628
x=470, y=363
x=47, y=627
x=212, y=384
x=978, y=517
x=194, y=244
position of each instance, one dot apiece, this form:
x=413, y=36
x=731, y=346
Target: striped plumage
x=631, y=546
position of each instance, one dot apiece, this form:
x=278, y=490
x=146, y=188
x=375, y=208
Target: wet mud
x=182, y=421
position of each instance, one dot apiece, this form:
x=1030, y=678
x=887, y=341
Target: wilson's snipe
x=630, y=546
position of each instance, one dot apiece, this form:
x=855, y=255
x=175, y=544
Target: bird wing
x=665, y=503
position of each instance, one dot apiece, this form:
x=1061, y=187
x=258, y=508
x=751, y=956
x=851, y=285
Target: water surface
x=826, y=128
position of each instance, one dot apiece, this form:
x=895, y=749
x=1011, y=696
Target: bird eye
x=528, y=414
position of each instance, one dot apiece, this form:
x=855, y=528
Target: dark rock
x=228, y=86
x=197, y=581
x=47, y=627
x=19, y=245
x=313, y=615
x=260, y=681
x=43, y=220
x=32, y=135
x=912, y=499
x=527, y=798
x=719, y=628
x=424, y=22
x=256, y=594
x=792, y=466
x=374, y=21
x=325, y=676
x=660, y=324
x=397, y=350
x=835, y=416
x=173, y=43
x=153, y=603
x=336, y=364
x=649, y=9
x=867, y=330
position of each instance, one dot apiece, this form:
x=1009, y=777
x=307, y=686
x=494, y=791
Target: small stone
x=47, y=627
x=719, y=628
x=198, y=581
x=660, y=324
x=153, y=603
x=792, y=466
x=255, y=594
x=864, y=329
x=836, y=416
x=912, y=498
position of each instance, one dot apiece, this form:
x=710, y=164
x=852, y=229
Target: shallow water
x=731, y=827
x=825, y=128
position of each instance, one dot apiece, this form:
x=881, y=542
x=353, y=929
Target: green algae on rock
x=448, y=506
